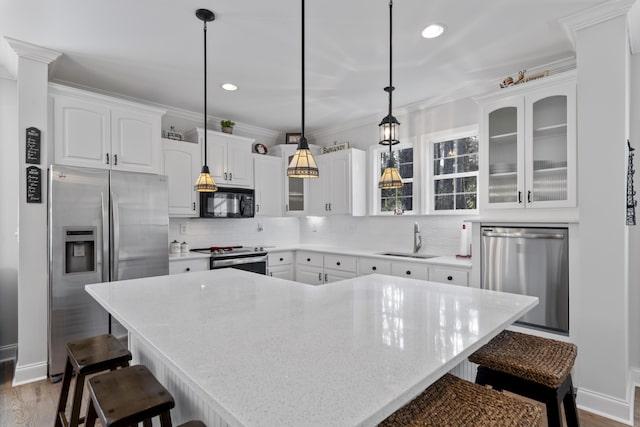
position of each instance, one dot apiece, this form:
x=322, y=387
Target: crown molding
x=594, y=15
x=33, y=52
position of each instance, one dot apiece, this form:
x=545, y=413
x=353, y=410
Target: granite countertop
x=264, y=351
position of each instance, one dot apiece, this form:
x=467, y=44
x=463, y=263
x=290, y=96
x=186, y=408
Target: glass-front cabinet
x=529, y=146
x=296, y=190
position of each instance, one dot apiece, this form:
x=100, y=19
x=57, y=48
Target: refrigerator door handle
x=105, y=238
x=116, y=236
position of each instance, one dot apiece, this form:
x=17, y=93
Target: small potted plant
x=227, y=126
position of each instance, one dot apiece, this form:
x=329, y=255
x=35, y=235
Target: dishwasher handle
x=511, y=235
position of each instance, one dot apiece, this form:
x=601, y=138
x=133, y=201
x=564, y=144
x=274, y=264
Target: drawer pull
x=188, y=268
x=338, y=263
x=281, y=259
x=374, y=268
x=408, y=272
x=449, y=277
x=308, y=259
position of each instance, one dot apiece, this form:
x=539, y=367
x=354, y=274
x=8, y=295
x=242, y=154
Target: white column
x=32, y=76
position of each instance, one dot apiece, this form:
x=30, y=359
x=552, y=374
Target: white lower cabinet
x=450, y=275
x=316, y=268
x=280, y=265
x=373, y=266
x=411, y=270
x=188, y=265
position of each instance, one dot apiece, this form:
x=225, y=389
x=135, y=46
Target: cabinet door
x=282, y=272
x=188, y=266
x=268, y=174
x=309, y=275
x=550, y=142
x=181, y=163
x=339, y=183
x=373, y=266
x=135, y=141
x=449, y=275
x=216, y=159
x=239, y=165
x=318, y=200
x=503, y=154
x=331, y=276
x=82, y=132
x=294, y=192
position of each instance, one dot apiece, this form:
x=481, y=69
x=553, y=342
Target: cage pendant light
x=389, y=125
x=205, y=182
x=303, y=165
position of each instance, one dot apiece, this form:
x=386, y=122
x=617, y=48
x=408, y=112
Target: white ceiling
x=152, y=50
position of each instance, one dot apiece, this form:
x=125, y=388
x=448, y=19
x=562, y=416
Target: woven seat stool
x=453, y=402
x=85, y=357
x=535, y=367
x=127, y=397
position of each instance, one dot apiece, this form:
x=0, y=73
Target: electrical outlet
x=184, y=229
x=260, y=227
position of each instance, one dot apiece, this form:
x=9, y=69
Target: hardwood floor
x=34, y=405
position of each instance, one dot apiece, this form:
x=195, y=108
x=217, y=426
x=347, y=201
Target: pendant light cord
x=302, y=132
x=390, y=77
x=205, y=92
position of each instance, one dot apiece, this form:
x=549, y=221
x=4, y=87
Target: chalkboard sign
x=33, y=146
x=34, y=184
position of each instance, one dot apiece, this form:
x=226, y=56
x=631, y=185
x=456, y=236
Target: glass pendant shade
x=390, y=178
x=205, y=182
x=389, y=128
x=303, y=165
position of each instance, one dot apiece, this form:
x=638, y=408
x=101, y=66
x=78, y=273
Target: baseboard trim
x=635, y=377
x=8, y=352
x=25, y=374
x=606, y=406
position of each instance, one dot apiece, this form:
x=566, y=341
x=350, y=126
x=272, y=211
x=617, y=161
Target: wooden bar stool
x=535, y=367
x=84, y=357
x=451, y=401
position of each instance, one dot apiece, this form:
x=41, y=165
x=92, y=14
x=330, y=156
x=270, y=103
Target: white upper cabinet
x=269, y=174
x=296, y=190
x=97, y=131
x=341, y=187
x=528, y=145
x=228, y=157
x=181, y=162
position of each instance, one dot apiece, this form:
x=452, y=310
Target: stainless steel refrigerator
x=103, y=226
x=530, y=261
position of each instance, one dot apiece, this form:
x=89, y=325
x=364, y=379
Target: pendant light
x=303, y=165
x=205, y=182
x=389, y=125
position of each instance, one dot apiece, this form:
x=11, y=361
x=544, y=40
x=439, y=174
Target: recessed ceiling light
x=433, y=31
x=229, y=86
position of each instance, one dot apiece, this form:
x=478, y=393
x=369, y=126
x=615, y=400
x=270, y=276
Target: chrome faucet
x=417, y=238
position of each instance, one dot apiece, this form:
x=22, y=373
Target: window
x=400, y=199
x=455, y=174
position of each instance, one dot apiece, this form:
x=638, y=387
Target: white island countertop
x=262, y=351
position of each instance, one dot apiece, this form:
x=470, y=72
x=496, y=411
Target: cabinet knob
x=308, y=259
x=338, y=263
x=115, y=159
x=408, y=272
x=449, y=278
x=188, y=269
x=374, y=268
x=281, y=259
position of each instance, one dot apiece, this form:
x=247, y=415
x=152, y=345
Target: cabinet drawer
x=373, y=266
x=280, y=258
x=309, y=258
x=340, y=263
x=188, y=265
x=449, y=275
x=410, y=270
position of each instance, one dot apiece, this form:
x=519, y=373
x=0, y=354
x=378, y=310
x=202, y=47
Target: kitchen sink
x=408, y=255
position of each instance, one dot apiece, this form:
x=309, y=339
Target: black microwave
x=228, y=203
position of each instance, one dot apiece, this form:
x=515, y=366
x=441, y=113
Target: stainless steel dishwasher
x=530, y=261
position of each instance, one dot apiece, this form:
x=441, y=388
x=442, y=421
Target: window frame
x=427, y=159
x=375, y=208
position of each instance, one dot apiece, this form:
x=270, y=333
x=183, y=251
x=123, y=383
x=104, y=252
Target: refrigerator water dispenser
x=80, y=250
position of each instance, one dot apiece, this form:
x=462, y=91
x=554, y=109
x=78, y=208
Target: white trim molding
x=606, y=406
x=32, y=372
x=594, y=15
x=33, y=52
x=8, y=352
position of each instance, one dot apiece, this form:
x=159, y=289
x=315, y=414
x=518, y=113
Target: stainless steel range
x=247, y=258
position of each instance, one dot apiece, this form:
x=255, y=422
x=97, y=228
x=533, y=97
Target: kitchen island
x=241, y=349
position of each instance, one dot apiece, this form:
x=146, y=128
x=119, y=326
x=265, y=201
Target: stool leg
x=554, y=416
x=77, y=401
x=90, y=419
x=165, y=419
x=64, y=392
x=570, y=410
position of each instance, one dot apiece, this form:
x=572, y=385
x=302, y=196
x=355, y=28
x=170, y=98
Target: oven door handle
x=220, y=263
